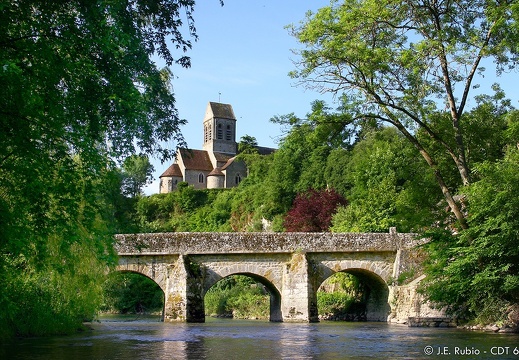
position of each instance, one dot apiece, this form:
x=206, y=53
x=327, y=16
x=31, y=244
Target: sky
x=243, y=57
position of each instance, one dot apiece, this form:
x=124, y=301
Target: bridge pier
x=298, y=298
x=183, y=299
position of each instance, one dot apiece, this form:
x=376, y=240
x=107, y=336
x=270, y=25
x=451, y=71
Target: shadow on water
x=147, y=338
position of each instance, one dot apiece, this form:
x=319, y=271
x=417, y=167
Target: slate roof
x=196, y=159
x=172, y=171
x=222, y=110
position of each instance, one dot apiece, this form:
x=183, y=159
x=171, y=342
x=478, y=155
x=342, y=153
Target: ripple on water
x=240, y=339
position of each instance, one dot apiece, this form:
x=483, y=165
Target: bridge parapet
x=254, y=242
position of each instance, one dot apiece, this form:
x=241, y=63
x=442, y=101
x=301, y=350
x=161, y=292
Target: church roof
x=221, y=157
x=216, y=172
x=229, y=162
x=265, y=150
x=172, y=171
x=222, y=110
x=196, y=159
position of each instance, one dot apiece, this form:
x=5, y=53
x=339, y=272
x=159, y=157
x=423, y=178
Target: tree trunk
x=455, y=208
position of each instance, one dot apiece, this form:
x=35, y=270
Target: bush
x=238, y=296
x=335, y=303
x=132, y=293
x=312, y=210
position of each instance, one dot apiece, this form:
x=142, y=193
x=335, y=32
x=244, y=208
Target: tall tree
x=247, y=145
x=401, y=61
x=78, y=89
x=387, y=185
x=476, y=275
x=137, y=171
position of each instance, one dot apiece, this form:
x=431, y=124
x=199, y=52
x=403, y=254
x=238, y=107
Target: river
x=220, y=339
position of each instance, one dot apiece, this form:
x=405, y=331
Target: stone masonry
x=291, y=266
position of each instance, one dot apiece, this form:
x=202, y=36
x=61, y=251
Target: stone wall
x=407, y=303
x=191, y=177
x=153, y=267
x=218, y=243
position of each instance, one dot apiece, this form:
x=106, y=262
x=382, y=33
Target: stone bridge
x=291, y=266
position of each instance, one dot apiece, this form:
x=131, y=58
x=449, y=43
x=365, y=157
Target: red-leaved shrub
x=312, y=210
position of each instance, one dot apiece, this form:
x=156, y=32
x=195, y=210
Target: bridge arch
x=143, y=300
x=275, y=295
x=373, y=275
x=145, y=270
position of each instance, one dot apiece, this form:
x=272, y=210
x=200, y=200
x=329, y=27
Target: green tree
x=247, y=145
x=399, y=61
x=298, y=163
x=132, y=293
x=137, y=171
x=387, y=185
x=248, y=206
x=476, y=274
x=78, y=89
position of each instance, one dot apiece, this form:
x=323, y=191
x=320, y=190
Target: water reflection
x=233, y=339
x=298, y=342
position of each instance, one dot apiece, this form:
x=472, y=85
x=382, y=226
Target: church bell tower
x=220, y=129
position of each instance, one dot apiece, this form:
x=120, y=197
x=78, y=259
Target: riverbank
x=503, y=329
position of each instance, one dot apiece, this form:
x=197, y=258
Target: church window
x=220, y=132
x=201, y=178
x=228, y=133
x=237, y=179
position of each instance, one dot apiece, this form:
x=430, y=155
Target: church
x=215, y=166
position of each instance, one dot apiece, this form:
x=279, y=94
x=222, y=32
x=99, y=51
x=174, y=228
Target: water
x=235, y=339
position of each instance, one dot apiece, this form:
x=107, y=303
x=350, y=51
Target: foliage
x=312, y=211
x=237, y=296
x=336, y=303
x=131, y=293
x=477, y=272
x=137, y=171
x=341, y=296
x=184, y=210
x=402, y=62
x=387, y=186
x=78, y=90
x=55, y=246
x=380, y=175
x=247, y=145
x=51, y=295
x=484, y=128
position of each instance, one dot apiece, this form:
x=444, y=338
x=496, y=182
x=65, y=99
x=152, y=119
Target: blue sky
x=242, y=57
